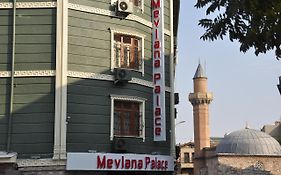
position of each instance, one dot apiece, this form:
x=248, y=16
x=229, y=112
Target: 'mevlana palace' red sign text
x=158, y=70
x=119, y=162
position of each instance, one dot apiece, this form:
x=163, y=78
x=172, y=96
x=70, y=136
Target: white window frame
x=132, y=99
x=134, y=34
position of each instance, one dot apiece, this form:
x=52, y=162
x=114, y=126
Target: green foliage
x=253, y=23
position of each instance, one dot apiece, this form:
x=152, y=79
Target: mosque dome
x=249, y=142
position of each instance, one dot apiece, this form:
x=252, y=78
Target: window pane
x=127, y=118
x=117, y=53
x=127, y=51
x=186, y=157
x=117, y=37
x=127, y=123
x=127, y=39
x=117, y=124
x=126, y=56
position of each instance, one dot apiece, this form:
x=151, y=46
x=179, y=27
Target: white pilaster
x=61, y=80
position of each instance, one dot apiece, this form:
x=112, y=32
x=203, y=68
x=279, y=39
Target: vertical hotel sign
x=158, y=70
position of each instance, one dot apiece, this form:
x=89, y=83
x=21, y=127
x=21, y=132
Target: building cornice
x=22, y=5
x=78, y=7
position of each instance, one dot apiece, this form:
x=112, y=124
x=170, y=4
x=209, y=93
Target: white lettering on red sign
x=158, y=70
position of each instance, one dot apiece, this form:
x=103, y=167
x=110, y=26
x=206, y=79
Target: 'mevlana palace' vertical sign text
x=158, y=70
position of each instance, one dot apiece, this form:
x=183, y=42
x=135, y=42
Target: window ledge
x=130, y=137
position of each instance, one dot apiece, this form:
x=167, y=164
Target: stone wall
x=244, y=165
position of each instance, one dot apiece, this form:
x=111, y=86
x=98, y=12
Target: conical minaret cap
x=200, y=73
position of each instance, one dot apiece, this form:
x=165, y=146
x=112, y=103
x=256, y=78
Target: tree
x=253, y=23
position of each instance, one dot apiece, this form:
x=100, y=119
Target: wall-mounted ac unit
x=122, y=75
x=125, y=6
x=119, y=145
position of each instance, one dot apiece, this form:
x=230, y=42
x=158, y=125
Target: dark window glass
x=127, y=51
x=127, y=118
x=186, y=157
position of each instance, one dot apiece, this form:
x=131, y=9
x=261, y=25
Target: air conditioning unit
x=122, y=75
x=119, y=145
x=125, y=6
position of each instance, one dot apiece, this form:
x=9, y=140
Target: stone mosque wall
x=244, y=165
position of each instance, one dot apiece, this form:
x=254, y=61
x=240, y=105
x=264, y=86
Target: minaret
x=200, y=101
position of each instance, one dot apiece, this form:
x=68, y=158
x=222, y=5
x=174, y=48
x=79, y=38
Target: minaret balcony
x=200, y=98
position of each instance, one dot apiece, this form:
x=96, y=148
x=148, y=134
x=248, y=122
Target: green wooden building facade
x=58, y=87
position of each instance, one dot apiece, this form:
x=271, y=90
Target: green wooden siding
x=4, y=110
x=5, y=40
x=35, y=39
x=89, y=44
x=89, y=106
x=33, y=118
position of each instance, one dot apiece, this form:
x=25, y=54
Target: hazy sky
x=244, y=86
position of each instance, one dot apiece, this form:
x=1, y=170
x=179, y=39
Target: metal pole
x=9, y=133
x=172, y=85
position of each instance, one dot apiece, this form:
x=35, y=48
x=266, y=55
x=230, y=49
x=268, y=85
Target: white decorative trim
x=31, y=73
x=36, y=4
x=6, y=5
x=104, y=12
x=40, y=162
x=142, y=82
x=5, y=74
x=89, y=75
x=127, y=32
x=168, y=89
x=8, y=157
x=89, y=9
x=75, y=74
x=127, y=98
x=35, y=73
x=95, y=76
x=139, y=19
x=167, y=32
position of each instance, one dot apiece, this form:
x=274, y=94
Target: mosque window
x=127, y=116
x=186, y=158
x=192, y=157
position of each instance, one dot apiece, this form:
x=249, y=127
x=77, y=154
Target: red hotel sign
x=118, y=162
x=158, y=70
